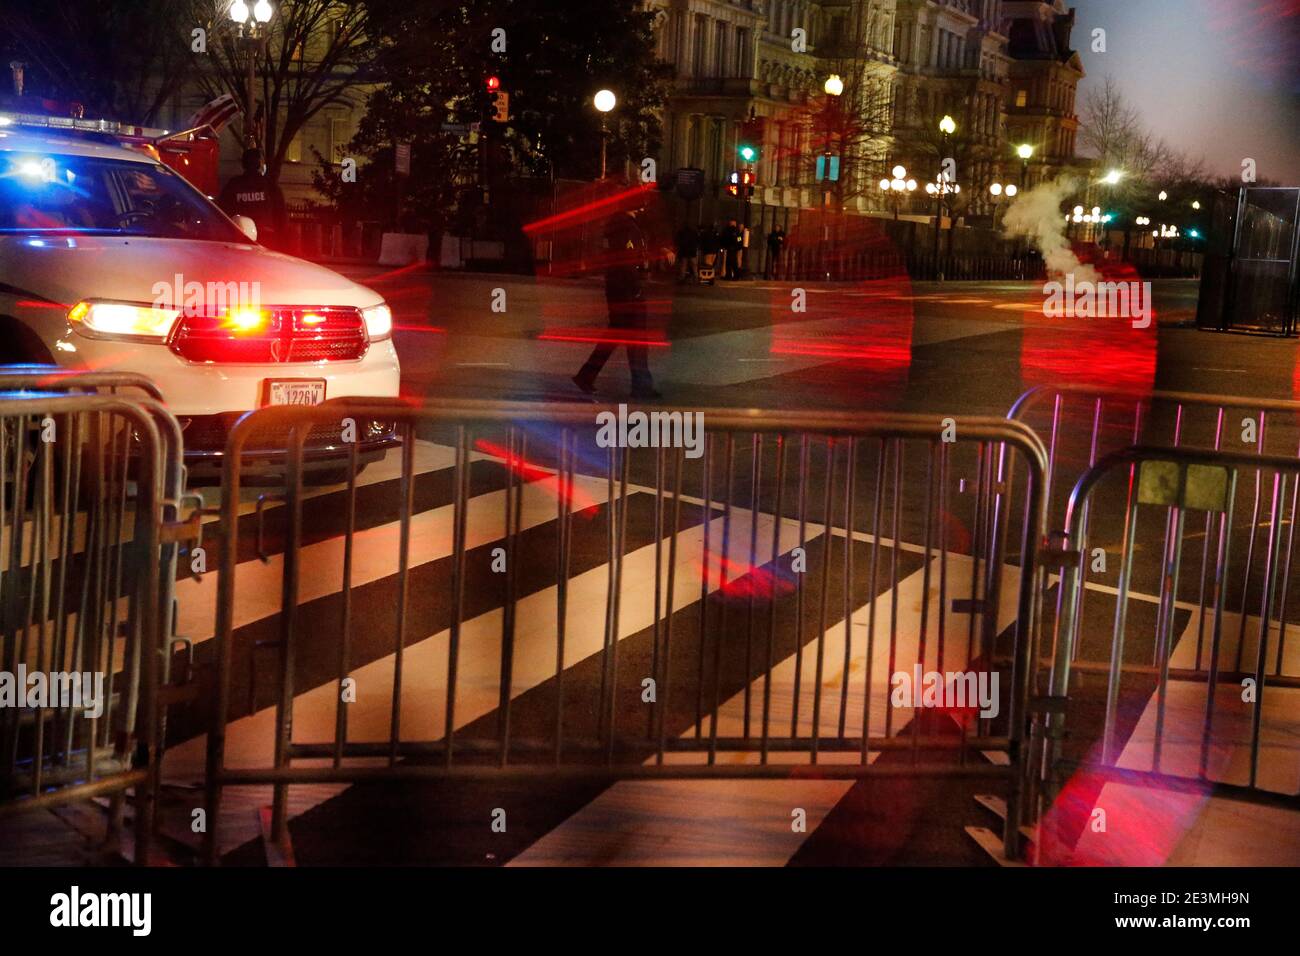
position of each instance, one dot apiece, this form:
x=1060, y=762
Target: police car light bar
x=43, y=121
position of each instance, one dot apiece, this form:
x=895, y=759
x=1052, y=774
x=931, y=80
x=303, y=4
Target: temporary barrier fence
x=90, y=488
x=753, y=577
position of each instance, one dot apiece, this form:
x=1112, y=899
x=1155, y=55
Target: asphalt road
x=953, y=348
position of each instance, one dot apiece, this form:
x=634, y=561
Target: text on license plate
x=295, y=392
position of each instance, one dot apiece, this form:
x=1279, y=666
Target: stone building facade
x=1003, y=69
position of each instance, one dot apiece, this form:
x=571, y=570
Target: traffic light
x=502, y=104
x=741, y=183
x=750, y=145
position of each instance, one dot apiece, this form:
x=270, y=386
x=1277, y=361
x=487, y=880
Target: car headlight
x=122, y=320
x=379, y=322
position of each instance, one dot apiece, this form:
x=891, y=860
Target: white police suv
x=110, y=260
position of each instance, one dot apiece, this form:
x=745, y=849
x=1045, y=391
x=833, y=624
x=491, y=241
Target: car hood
x=66, y=269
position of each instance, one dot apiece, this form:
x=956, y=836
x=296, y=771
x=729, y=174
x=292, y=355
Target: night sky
x=1218, y=79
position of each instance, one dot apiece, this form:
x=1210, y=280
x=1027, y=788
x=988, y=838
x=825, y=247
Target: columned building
x=1045, y=75
x=1003, y=69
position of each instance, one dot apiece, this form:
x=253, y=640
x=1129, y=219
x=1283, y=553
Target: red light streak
x=566, y=491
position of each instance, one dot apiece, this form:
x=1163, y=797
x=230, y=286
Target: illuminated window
x=1022, y=98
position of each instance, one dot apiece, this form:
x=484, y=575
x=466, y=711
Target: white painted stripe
x=749, y=822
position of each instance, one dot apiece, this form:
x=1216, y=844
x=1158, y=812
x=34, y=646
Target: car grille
x=208, y=433
x=333, y=334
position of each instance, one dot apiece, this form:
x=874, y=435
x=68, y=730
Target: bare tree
x=316, y=53
x=857, y=125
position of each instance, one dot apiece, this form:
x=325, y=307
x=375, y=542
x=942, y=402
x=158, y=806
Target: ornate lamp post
x=605, y=101
x=252, y=35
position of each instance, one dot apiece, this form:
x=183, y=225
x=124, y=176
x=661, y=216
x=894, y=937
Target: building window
x=294, y=153
x=1022, y=98
x=742, y=53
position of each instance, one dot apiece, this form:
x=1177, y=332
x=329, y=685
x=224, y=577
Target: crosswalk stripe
x=748, y=822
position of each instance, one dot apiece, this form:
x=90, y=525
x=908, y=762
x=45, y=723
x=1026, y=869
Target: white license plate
x=301, y=391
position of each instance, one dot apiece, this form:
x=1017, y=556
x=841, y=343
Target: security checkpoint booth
x=1251, y=282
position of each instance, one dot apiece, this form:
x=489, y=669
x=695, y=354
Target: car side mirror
x=247, y=227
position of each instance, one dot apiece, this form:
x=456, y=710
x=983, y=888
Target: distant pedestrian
x=625, y=274
x=775, y=245
x=688, y=252
x=732, y=242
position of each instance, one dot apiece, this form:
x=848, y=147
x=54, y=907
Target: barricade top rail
x=1182, y=455
x=1208, y=399
x=48, y=378
x=833, y=424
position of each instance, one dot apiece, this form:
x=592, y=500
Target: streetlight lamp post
x=896, y=187
x=1025, y=152
x=605, y=101
x=252, y=34
x=939, y=189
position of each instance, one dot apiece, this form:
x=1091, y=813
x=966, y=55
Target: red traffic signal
x=493, y=83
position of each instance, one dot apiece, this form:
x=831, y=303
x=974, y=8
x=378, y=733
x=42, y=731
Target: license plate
x=297, y=391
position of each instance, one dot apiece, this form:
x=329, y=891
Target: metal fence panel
x=758, y=546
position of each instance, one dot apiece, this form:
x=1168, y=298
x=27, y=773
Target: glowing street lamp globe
x=605, y=101
x=884, y=184
x=239, y=12
x=833, y=86
x=947, y=125
x=1113, y=177
x=996, y=189
x=1024, y=151
x=1012, y=190
x=262, y=11
x=900, y=172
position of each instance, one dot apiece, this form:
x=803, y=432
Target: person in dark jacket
x=254, y=195
x=688, y=250
x=625, y=274
x=775, y=243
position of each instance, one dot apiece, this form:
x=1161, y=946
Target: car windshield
x=45, y=193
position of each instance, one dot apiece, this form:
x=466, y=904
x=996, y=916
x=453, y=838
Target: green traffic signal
x=747, y=152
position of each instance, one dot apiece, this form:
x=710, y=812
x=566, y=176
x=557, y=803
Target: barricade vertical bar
x=1216, y=635
x=1164, y=641
x=1286, y=576
x=893, y=575
x=407, y=487
x=877, y=504
x=798, y=584
x=288, y=627
x=1117, y=642
x=1205, y=553
x=516, y=451
x=923, y=632
x=1250, y=554
x=611, y=557
x=345, y=622
x=729, y=455
x=460, y=510
x=850, y=493
x=779, y=515
x=564, y=505
x=828, y=539
x=621, y=548
x=1265, y=607
x=704, y=586
x=678, y=460
x=943, y=550
x=658, y=597
x=755, y=470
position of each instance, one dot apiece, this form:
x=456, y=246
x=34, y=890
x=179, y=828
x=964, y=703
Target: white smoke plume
x=1036, y=215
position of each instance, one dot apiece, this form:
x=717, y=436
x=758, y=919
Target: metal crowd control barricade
x=1220, y=638
x=1181, y=566
x=730, y=572
x=90, y=487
